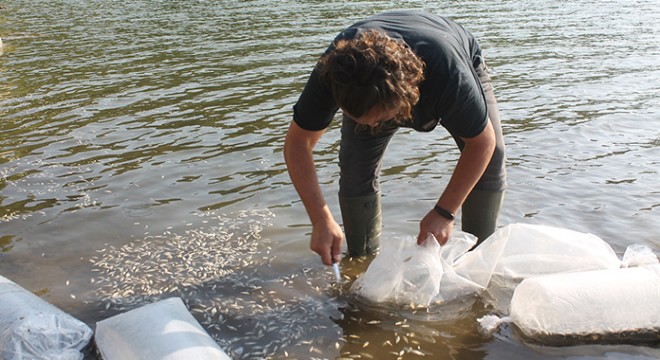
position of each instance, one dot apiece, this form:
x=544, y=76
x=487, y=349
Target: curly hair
x=372, y=70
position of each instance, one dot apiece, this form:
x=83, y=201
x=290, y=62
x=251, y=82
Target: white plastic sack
x=31, y=328
x=164, y=330
x=405, y=273
x=524, y=250
x=518, y=251
x=589, y=305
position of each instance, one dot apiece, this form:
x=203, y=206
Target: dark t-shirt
x=450, y=93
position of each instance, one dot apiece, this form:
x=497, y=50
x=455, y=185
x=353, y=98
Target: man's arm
x=471, y=165
x=298, y=154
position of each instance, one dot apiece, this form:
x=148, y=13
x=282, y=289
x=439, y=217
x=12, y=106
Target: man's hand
x=326, y=241
x=437, y=225
x=471, y=165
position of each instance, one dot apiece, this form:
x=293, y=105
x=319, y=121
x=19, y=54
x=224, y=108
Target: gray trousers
x=361, y=154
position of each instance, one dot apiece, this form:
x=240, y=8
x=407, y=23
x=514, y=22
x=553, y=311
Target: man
x=398, y=69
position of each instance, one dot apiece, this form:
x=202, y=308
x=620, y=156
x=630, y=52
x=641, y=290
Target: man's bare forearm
x=298, y=154
x=470, y=167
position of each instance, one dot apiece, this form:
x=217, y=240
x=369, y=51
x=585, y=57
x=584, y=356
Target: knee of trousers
x=494, y=177
x=362, y=223
x=480, y=212
x=352, y=186
x=359, y=172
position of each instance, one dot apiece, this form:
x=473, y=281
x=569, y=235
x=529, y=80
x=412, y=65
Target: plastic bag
x=163, y=330
x=526, y=250
x=638, y=255
x=31, y=328
x=518, y=251
x=405, y=273
x=587, y=306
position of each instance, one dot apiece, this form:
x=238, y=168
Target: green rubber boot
x=479, y=213
x=362, y=223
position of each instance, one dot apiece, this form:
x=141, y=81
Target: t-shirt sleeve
x=464, y=111
x=459, y=101
x=316, y=107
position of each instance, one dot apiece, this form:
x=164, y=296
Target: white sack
x=31, y=328
x=518, y=251
x=524, y=250
x=164, y=330
x=587, y=305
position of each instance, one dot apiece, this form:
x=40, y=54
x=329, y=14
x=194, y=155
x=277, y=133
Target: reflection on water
x=6, y=242
x=122, y=122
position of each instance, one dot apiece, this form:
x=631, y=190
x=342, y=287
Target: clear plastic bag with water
x=419, y=275
x=565, y=287
x=549, y=281
x=519, y=251
x=31, y=328
x=587, y=306
x=162, y=330
x=405, y=273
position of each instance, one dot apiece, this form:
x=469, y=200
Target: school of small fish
x=221, y=272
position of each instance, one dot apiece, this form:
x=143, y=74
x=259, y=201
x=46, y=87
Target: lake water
x=141, y=158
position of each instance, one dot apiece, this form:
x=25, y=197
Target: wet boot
x=479, y=213
x=362, y=223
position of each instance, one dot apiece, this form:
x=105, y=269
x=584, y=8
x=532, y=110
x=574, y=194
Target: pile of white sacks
x=550, y=282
